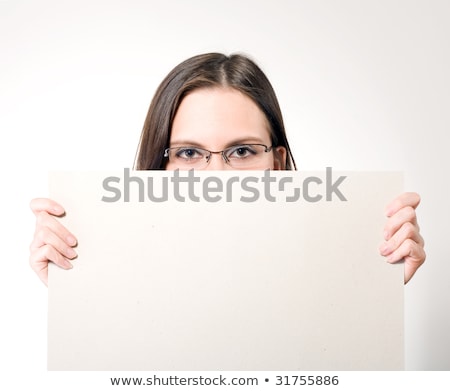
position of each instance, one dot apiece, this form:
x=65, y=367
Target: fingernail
x=384, y=249
x=68, y=265
x=386, y=235
x=388, y=211
x=71, y=252
x=57, y=210
x=71, y=241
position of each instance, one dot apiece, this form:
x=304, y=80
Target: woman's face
x=215, y=119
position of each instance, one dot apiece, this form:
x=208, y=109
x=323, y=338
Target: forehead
x=214, y=117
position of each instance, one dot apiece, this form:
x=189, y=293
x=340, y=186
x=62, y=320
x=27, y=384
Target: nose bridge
x=217, y=162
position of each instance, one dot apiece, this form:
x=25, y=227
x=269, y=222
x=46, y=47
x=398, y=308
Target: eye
x=189, y=153
x=241, y=151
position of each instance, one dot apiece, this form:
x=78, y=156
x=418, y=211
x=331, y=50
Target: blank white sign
x=211, y=284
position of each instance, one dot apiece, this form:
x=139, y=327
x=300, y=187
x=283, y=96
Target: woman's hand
x=52, y=242
x=401, y=233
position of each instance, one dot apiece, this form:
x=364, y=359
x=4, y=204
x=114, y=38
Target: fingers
x=46, y=205
x=405, y=215
x=401, y=226
x=401, y=233
x=47, y=227
x=412, y=253
x=46, y=236
x=52, y=242
x=41, y=256
x=405, y=232
x=406, y=199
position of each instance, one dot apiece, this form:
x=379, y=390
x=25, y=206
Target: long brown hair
x=206, y=71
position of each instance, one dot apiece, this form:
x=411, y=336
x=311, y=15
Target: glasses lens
x=188, y=157
x=247, y=155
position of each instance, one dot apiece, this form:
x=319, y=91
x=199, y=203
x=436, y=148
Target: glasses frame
x=222, y=152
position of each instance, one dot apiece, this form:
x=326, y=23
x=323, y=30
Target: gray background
x=362, y=85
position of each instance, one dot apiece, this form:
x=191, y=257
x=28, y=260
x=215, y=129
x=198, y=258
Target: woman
x=216, y=112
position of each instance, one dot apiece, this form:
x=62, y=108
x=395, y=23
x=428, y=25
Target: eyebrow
x=243, y=140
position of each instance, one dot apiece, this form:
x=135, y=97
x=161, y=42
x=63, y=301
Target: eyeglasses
x=242, y=156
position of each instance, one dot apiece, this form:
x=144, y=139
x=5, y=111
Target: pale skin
x=215, y=119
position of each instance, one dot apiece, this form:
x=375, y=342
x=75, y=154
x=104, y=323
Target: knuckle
x=410, y=229
x=42, y=234
x=423, y=257
x=48, y=251
x=409, y=244
x=422, y=241
x=41, y=218
x=36, y=205
x=414, y=250
x=410, y=213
